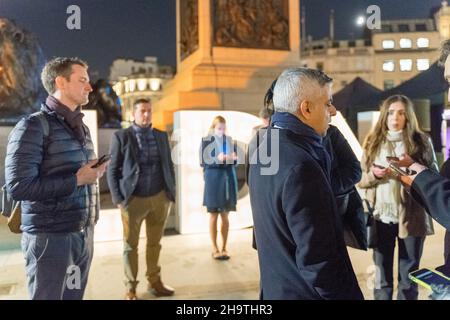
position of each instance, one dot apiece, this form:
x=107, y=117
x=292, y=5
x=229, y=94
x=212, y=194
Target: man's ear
x=60, y=82
x=305, y=109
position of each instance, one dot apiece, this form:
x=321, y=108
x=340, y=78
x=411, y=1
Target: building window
x=319, y=66
x=132, y=85
x=421, y=27
x=155, y=84
x=388, y=44
x=142, y=84
x=388, y=84
x=405, y=43
x=389, y=65
x=386, y=28
x=405, y=64
x=423, y=64
x=423, y=42
x=403, y=28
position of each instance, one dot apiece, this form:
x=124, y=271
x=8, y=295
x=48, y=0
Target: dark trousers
x=57, y=264
x=410, y=251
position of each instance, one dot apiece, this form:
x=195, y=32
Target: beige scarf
x=388, y=200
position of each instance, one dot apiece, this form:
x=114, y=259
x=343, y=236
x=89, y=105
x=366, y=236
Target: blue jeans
x=57, y=264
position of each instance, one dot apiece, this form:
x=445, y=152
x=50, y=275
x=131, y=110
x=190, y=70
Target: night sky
x=136, y=28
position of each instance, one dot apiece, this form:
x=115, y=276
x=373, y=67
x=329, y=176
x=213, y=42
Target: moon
x=360, y=20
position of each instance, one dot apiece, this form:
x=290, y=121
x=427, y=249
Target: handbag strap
x=369, y=207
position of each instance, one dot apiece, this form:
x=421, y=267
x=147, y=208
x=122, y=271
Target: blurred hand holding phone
x=402, y=172
x=101, y=161
x=433, y=280
x=92, y=171
x=440, y=292
x=404, y=161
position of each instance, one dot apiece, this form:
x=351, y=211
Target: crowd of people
x=305, y=214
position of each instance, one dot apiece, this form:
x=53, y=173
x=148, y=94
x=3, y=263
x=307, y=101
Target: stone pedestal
x=228, y=54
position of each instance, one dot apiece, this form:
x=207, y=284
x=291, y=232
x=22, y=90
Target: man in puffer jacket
x=50, y=172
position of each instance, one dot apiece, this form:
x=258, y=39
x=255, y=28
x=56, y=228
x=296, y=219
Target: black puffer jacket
x=41, y=172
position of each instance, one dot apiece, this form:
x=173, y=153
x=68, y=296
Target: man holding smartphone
x=433, y=190
x=141, y=179
x=48, y=168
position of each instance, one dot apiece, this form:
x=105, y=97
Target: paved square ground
x=187, y=266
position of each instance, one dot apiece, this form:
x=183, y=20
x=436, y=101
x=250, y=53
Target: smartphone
x=444, y=269
x=101, y=161
x=397, y=169
x=426, y=278
x=396, y=159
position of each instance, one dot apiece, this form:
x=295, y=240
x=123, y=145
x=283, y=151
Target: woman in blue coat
x=218, y=159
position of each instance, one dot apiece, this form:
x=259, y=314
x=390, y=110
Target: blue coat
x=299, y=233
x=42, y=174
x=220, y=178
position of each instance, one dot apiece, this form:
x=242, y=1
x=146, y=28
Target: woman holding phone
x=218, y=159
x=396, y=138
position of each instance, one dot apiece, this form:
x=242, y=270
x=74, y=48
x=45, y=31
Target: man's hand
x=404, y=161
x=440, y=292
x=88, y=175
x=407, y=181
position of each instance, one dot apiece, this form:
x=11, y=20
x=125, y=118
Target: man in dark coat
x=48, y=168
x=299, y=233
x=141, y=179
x=433, y=190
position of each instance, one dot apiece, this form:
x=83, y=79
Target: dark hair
x=267, y=111
x=445, y=51
x=139, y=101
x=60, y=66
x=268, y=98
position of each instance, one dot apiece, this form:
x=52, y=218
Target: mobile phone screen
x=430, y=278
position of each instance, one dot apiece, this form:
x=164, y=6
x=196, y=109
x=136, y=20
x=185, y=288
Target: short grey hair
x=445, y=51
x=296, y=85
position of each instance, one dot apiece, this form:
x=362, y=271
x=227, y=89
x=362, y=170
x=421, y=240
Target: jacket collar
x=285, y=120
x=304, y=136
